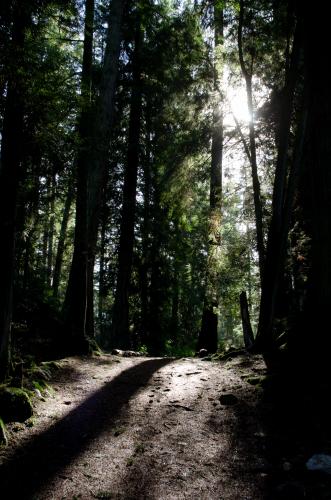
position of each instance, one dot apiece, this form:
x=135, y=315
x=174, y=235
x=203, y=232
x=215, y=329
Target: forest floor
x=147, y=428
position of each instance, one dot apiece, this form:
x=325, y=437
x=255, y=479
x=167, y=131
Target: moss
x=118, y=431
x=103, y=494
x=3, y=434
x=42, y=386
x=93, y=348
x=29, y=422
x=15, y=405
x=51, y=365
x=139, y=449
x=40, y=372
x=255, y=380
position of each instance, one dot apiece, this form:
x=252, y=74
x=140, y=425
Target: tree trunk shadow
x=34, y=464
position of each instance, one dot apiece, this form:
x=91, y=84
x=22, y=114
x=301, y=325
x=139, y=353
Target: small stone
x=202, y=353
x=259, y=434
x=117, y=352
x=228, y=399
x=319, y=462
x=38, y=393
x=130, y=354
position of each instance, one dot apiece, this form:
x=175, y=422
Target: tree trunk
x=62, y=240
x=174, y=321
x=208, y=333
x=252, y=147
x=154, y=341
x=45, y=233
x=207, y=338
x=10, y=173
x=314, y=340
x=92, y=162
x=246, y=323
x=75, y=304
x=51, y=231
x=283, y=193
x=145, y=233
x=102, y=276
x=154, y=331
x=120, y=323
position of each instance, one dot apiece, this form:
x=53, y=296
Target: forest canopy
x=164, y=179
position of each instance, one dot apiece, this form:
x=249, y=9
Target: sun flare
x=238, y=104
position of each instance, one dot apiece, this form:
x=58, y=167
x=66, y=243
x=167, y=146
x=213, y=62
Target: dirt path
x=141, y=428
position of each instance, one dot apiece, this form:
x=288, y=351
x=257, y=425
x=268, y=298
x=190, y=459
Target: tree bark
x=208, y=338
x=10, y=173
x=145, y=232
x=247, y=74
x=246, y=323
x=314, y=340
x=102, y=276
x=62, y=240
x=75, y=304
x=92, y=163
x=120, y=322
x=51, y=231
x=154, y=332
x=282, y=202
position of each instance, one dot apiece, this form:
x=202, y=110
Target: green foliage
x=172, y=229
x=178, y=351
x=42, y=386
x=143, y=350
x=103, y=494
x=3, y=434
x=42, y=372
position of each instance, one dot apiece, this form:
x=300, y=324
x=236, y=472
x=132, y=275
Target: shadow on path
x=34, y=464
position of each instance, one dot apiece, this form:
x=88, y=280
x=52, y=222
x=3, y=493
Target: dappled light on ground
x=152, y=428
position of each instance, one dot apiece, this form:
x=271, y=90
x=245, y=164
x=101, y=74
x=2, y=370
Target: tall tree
x=319, y=183
x=10, y=172
x=247, y=72
x=309, y=339
x=120, y=323
x=92, y=162
x=209, y=325
x=146, y=226
x=75, y=306
x=282, y=201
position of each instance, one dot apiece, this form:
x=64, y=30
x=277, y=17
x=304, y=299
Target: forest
x=158, y=161
x=165, y=181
